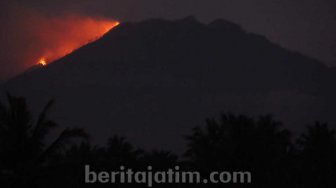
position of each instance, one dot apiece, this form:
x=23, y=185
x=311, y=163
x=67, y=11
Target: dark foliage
x=230, y=143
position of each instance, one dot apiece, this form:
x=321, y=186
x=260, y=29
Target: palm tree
x=317, y=160
x=318, y=138
x=242, y=143
x=120, y=152
x=22, y=140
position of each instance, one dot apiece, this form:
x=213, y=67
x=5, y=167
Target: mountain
x=154, y=80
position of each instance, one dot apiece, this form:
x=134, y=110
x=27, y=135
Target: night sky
x=307, y=26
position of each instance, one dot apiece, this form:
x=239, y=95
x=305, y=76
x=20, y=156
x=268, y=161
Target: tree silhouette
x=159, y=159
x=317, y=157
x=22, y=140
x=121, y=152
x=231, y=143
x=241, y=143
x=318, y=139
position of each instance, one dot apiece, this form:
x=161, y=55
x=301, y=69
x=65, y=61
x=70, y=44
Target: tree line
x=261, y=145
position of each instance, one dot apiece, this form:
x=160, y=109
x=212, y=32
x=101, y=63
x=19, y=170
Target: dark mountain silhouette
x=156, y=79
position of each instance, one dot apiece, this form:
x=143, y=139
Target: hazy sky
x=308, y=26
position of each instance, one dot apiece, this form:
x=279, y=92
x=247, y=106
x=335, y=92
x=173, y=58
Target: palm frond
x=43, y=125
x=65, y=137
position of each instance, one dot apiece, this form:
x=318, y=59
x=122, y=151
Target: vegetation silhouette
x=317, y=156
x=231, y=143
x=22, y=141
x=241, y=143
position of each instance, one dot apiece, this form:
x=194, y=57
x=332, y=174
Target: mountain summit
x=153, y=81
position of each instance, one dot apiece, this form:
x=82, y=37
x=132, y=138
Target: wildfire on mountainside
x=69, y=35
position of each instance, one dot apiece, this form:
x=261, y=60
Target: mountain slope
x=154, y=80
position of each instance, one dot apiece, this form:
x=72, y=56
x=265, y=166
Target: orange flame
x=42, y=62
x=71, y=34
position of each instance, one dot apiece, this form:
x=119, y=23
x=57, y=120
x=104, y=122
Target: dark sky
x=308, y=26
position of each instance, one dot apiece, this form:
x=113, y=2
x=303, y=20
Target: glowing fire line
x=70, y=46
